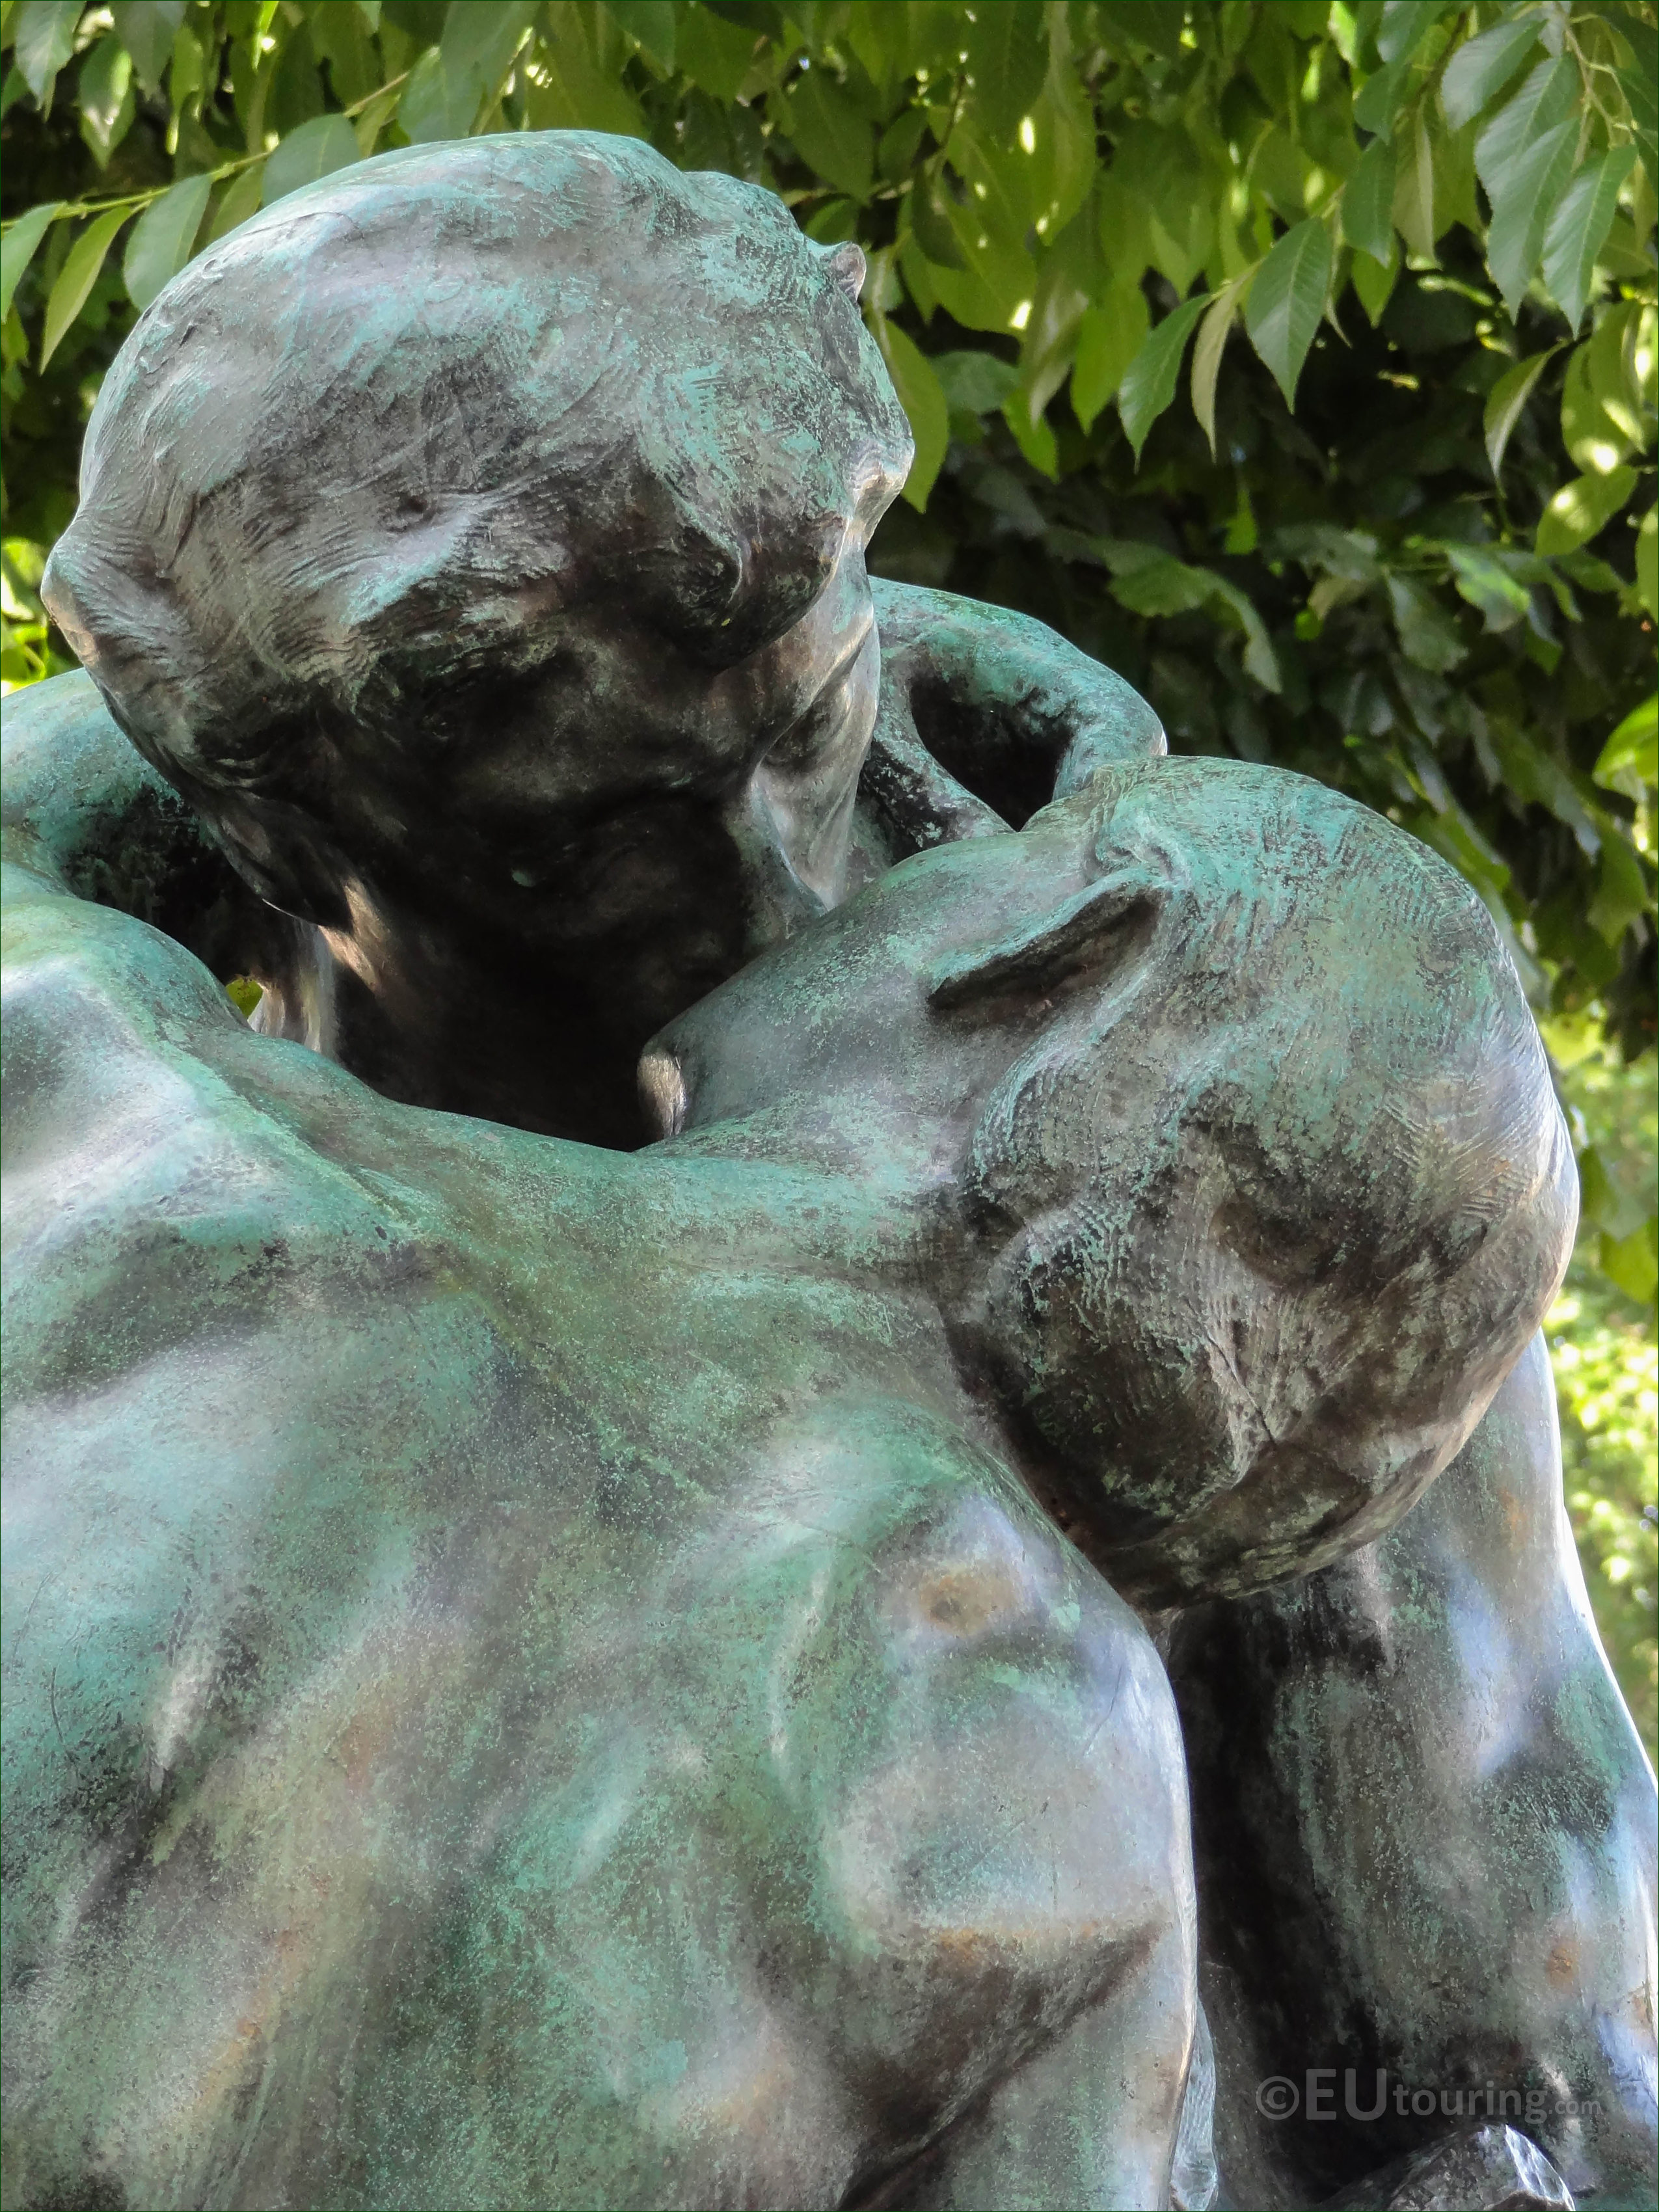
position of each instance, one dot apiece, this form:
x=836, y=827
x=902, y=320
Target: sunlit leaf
x=76, y=278
x=162, y=238
x=1596, y=439
x=1401, y=27
x=1549, y=97
x=1507, y=400
x=17, y=249
x=1632, y=752
x=1647, y=563
x=1149, y=383
x=1211, y=344
x=1485, y=583
x=1007, y=58
x=1522, y=210
x=1582, y=508
x=1287, y=301
x=43, y=40
x=1485, y=65
x=1578, y=230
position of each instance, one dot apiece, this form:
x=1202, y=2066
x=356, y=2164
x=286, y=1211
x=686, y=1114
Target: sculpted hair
x=371, y=445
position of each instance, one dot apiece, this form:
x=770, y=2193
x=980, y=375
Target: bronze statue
x=662, y=1670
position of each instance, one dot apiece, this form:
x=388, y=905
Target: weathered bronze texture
x=822, y=1275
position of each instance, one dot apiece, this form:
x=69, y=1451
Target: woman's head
x=1273, y=1207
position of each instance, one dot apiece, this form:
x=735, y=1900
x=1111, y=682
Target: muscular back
x=522, y=1684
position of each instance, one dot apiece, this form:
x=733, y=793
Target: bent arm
x=1426, y=1826
x=86, y=812
x=985, y=716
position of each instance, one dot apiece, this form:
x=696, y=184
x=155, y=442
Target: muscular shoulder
x=976, y=1734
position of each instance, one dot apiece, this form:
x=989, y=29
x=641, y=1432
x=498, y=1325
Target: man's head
x=1265, y=1183
x=473, y=492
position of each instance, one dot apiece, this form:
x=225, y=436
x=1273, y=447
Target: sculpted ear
x=846, y=267
x=1088, y=931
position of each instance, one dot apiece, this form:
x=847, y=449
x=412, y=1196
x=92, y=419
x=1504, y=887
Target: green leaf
x=1413, y=190
x=1578, y=230
x=1582, y=508
x=922, y=397
x=162, y=238
x=316, y=149
x=1110, y=335
x=1430, y=636
x=1642, y=101
x=1539, y=780
x=713, y=53
x=1487, y=585
x=1506, y=403
x=1402, y=24
x=478, y=45
x=649, y=23
x=1149, y=383
x=973, y=383
x=1485, y=65
x=1549, y=97
x=17, y=249
x=77, y=276
x=240, y=199
x=830, y=134
x=1380, y=97
x=1631, y=1262
x=1368, y=202
x=1154, y=23
x=1211, y=344
x=930, y=226
x=43, y=40
x=1007, y=59
x=104, y=97
x=1596, y=439
x=1261, y=660
x=1522, y=210
x=147, y=29
x=1288, y=299
x=1149, y=581
x=577, y=95
x=435, y=104
x=1631, y=755
x=1647, y=563
x=1375, y=284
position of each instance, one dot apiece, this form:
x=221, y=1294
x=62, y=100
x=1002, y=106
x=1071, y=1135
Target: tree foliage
x=1295, y=356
